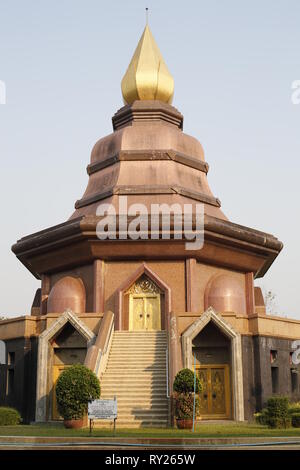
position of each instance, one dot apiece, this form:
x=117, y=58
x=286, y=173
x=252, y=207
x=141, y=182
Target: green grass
x=202, y=430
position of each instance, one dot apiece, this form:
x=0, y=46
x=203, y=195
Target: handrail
x=167, y=372
x=102, y=358
x=97, y=355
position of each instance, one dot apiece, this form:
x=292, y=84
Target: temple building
x=137, y=310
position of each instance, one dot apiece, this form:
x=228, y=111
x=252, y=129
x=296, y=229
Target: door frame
x=226, y=369
x=122, y=298
x=55, y=416
x=143, y=296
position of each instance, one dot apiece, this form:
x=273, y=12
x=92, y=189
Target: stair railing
x=103, y=353
x=97, y=354
x=167, y=372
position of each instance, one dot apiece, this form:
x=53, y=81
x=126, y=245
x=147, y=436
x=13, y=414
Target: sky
x=233, y=63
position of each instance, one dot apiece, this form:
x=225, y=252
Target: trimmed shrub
x=278, y=407
x=74, y=388
x=184, y=382
x=9, y=416
x=296, y=420
x=262, y=417
x=294, y=408
x=277, y=414
x=184, y=405
x=279, y=423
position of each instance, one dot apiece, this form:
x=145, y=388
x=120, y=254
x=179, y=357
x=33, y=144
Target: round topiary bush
x=74, y=388
x=184, y=382
x=9, y=416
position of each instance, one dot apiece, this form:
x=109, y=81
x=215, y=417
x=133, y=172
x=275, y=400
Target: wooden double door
x=215, y=397
x=144, y=312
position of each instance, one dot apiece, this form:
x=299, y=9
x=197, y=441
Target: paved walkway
x=72, y=443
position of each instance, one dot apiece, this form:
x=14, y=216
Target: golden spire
x=147, y=77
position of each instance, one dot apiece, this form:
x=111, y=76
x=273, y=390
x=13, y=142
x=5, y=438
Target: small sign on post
x=103, y=409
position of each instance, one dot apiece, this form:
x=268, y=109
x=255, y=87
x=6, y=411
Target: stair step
x=156, y=407
x=115, y=389
x=133, y=395
x=137, y=381
x=133, y=352
x=140, y=343
x=126, y=401
x=136, y=375
x=130, y=422
x=121, y=373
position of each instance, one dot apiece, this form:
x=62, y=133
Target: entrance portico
x=213, y=379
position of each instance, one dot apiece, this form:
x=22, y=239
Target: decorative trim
x=155, y=155
x=236, y=352
x=98, y=286
x=190, y=266
x=249, y=287
x=147, y=111
x=147, y=190
x=43, y=356
x=144, y=285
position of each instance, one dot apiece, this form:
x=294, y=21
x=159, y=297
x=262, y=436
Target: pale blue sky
x=233, y=62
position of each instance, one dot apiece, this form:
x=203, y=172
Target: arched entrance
x=64, y=343
x=211, y=350
x=144, y=298
x=234, y=355
x=143, y=284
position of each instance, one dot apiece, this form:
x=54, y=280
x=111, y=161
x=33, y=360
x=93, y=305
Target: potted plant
x=75, y=387
x=184, y=398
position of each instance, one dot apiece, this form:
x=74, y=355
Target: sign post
x=103, y=409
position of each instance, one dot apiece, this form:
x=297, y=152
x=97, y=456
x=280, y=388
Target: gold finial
x=147, y=77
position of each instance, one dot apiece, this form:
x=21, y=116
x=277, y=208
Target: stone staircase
x=136, y=375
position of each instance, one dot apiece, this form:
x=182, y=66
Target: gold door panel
x=203, y=396
x=218, y=392
x=144, y=312
x=138, y=319
x=152, y=312
x=215, y=394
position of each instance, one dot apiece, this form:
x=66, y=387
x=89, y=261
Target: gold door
x=215, y=395
x=203, y=396
x=144, y=312
x=57, y=370
x=218, y=392
x=138, y=320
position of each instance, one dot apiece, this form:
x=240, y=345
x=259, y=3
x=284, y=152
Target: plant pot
x=73, y=423
x=184, y=423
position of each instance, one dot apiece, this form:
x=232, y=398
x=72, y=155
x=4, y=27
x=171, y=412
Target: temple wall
x=18, y=377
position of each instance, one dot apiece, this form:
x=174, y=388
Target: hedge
x=9, y=416
x=296, y=420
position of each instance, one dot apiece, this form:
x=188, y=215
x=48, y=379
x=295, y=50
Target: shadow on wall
x=2, y=352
